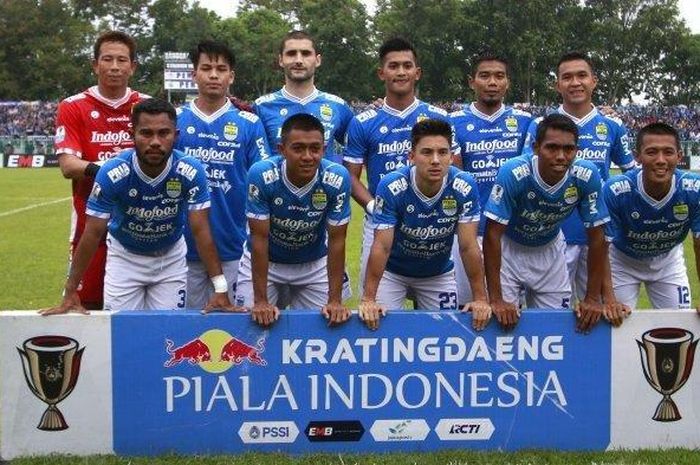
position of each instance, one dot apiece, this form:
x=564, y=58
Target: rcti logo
x=215, y=351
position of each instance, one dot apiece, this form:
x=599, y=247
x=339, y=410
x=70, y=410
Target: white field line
x=32, y=207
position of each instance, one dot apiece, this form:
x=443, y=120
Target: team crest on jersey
x=173, y=188
x=326, y=112
x=680, y=211
x=570, y=195
x=230, y=131
x=421, y=117
x=319, y=200
x=511, y=124
x=96, y=190
x=497, y=193
x=60, y=134
x=449, y=206
x=601, y=131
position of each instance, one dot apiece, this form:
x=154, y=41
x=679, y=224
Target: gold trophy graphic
x=667, y=359
x=51, y=367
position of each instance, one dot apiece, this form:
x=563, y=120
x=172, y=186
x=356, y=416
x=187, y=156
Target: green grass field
x=34, y=225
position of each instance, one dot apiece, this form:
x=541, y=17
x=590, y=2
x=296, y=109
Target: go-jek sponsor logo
x=215, y=351
x=465, y=429
x=268, y=432
x=399, y=430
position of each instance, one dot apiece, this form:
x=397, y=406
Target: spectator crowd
x=37, y=118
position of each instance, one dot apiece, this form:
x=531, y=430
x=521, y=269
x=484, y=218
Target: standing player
x=602, y=140
x=294, y=204
x=299, y=57
x=418, y=210
x=523, y=247
x=227, y=142
x=380, y=139
x=488, y=134
x=92, y=127
x=651, y=210
x=144, y=197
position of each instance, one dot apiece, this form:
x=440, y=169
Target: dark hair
x=430, y=127
x=152, y=106
x=115, y=36
x=657, y=129
x=298, y=35
x=301, y=122
x=396, y=44
x=212, y=49
x=556, y=121
x=572, y=56
x=488, y=56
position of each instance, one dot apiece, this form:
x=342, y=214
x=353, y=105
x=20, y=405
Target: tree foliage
x=640, y=47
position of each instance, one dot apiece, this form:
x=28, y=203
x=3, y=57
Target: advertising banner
x=655, y=390
x=55, y=384
x=424, y=381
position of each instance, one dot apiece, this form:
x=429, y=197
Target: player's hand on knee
x=71, y=304
x=616, y=312
x=219, y=302
x=481, y=313
x=588, y=313
x=336, y=313
x=370, y=312
x=506, y=313
x=264, y=313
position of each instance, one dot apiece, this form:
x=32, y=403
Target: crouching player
x=144, y=197
x=292, y=202
x=523, y=243
x=416, y=212
x=651, y=210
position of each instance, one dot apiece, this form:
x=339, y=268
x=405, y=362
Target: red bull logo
x=215, y=351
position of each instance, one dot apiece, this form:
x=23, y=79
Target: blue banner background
x=144, y=426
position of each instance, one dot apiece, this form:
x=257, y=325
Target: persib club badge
x=230, y=131
x=173, y=188
x=571, y=195
x=449, y=206
x=326, y=112
x=319, y=200
x=421, y=117
x=511, y=124
x=601, y=131
x=680, y=211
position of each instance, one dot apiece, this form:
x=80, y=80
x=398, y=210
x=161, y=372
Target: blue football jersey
x=298, y=215
x=643, y=227
x=148, y=215
x=273, y=109
x=487, y=141
x=424, y=228
x=227, y=143
x=381, y=138
x=601, y=140
x=534, y=210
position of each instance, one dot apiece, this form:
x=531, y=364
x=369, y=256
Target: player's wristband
x=91, y=170
x=369, y=208
x=220, y=284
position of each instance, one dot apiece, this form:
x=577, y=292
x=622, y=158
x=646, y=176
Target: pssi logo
x=215, y=351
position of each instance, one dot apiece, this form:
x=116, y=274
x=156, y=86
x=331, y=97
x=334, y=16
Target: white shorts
x=577, y=267
x=431, y=293
x=300, y=286
x=145, y=282
x=665, y=278
x=367, y=240
x=199, y=286
x=539, y=272
x=464, y=289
